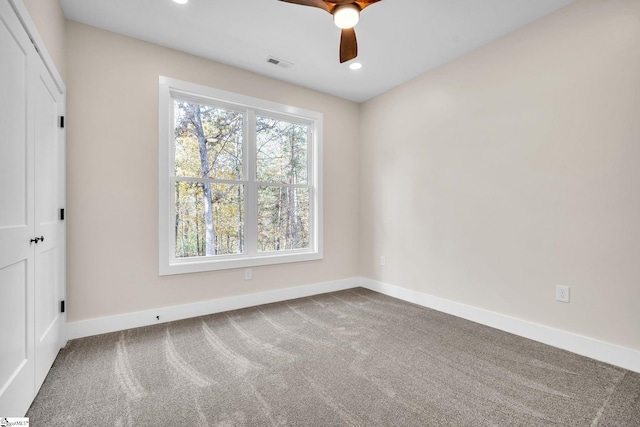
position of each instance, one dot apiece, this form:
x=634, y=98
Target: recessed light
x=180, y=1
x=355, y=65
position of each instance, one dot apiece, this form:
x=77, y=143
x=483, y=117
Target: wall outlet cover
x=562, y=293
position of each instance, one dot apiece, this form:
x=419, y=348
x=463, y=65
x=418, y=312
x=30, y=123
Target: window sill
x=201, y=264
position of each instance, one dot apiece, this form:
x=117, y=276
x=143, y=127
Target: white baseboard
x=102, y=325
x=606, y=352
x=610, y=353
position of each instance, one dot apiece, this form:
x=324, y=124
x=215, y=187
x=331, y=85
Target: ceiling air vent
x=279, y=62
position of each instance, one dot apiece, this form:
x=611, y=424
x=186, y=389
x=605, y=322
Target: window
x=240, y=180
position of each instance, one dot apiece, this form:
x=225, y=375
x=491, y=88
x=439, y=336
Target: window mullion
x=251, y=218
x=312, y=182
x=171, y=188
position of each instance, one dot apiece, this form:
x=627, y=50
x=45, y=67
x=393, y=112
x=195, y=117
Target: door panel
x=47, y=314
x=13, y=122
x=14, y=288
x=48, y=319
x=17, y=368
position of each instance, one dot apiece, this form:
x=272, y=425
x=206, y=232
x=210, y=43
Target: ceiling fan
x=346, y=14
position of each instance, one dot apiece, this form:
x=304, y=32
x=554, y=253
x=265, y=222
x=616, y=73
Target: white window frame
x=170, y=89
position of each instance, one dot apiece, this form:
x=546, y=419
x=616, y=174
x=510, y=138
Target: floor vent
x=279, y=62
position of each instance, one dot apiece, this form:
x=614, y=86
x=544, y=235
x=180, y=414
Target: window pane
x=281, y=151
x=208, y=141
x=283, y=218
x=218, y=230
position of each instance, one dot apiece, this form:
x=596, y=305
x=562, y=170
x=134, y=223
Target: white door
x=49, y=253
x=17, y=254
x=32, y=240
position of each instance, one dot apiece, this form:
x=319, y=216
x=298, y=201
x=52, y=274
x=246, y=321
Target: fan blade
x=348, y=45
x=313, y=3
x=361, y=3
x=365, y=3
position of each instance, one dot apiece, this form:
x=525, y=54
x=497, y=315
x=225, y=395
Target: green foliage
x=223, y=132
x=283, y=211
x=281, y=151
x=208, y=149
x=228, y=214
x=283, y=218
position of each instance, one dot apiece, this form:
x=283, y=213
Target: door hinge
x=62, y=214
x=35, y=46
x=62, y=307
x=61, y=121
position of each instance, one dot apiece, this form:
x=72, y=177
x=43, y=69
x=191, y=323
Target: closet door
x=17, y=253
x=49, y=254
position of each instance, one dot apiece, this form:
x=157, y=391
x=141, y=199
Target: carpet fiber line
x=348, y=358
x=182, y=367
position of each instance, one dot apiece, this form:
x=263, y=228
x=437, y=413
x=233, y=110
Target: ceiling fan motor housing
x=346, y=15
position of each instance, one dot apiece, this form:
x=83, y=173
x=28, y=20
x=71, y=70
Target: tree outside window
x=244, y=182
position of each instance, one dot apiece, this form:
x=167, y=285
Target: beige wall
x=49, y=19
x=112, y=133
x=515, y=168
x=487, y=181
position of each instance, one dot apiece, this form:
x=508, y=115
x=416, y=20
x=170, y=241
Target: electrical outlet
x=383, y=261
x=247, y=274
x=562, y=293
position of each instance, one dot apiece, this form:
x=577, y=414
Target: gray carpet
x=347, y=358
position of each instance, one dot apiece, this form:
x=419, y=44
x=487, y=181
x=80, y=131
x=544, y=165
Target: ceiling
x=397, y=39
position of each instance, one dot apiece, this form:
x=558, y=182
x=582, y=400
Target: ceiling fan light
x=346, y=15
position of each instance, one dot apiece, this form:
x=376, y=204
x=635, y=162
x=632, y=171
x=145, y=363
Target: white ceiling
x=397, y=39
